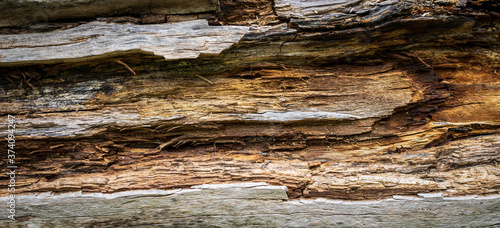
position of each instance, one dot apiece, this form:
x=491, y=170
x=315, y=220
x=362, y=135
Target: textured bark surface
x=335, y=99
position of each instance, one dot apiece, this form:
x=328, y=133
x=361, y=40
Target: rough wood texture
x=248, y=205
x=98, y=39
x=359, y=100
x=25, y=12
x=247, y=12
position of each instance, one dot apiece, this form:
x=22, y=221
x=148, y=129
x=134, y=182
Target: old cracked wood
x=183, y=40
x=26, y=12
x=248, y=205
x=336, y=99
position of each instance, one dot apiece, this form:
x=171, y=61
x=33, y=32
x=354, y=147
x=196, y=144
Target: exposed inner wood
x=349, y=100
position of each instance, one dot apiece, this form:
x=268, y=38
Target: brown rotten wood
x=348, y=101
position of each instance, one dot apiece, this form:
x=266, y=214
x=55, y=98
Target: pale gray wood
x=246, y=205
x=322, y=14
x=172, y=41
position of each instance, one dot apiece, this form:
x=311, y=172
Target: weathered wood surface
x=248, y=205
x=460, y=168
x=183, y=40
x=365, y=106
x=26, y=12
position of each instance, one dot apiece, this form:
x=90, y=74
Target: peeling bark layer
x=343, y=100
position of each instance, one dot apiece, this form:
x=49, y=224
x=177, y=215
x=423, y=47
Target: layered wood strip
x=339, y=103
x=106, y=167
x=100, y=40
x=340, y=132
x=18, y=13
x=247, y=204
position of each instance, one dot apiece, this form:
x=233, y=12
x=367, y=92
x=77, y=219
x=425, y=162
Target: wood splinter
x=205, y=79
x=421, y=60
x=29, y=84
x=26, y=80
x=126, y=66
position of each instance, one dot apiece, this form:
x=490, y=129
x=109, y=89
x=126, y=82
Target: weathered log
x=336, y=99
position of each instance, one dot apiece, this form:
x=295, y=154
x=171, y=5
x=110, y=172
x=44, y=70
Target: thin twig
x=421, y=60
x=24, y=75
x=126, y=66
x=29, y=84
x=176, y=140
x=205, y=79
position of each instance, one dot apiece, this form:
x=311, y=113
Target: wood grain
x=172, y=41
x=248, y=205
x=357, y=101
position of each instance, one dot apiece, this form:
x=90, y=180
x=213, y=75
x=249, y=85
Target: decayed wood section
x=335, y=99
